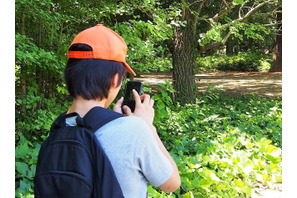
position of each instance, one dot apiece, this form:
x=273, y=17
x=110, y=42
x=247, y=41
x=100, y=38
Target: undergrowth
x=223, y=146
x=245, y=62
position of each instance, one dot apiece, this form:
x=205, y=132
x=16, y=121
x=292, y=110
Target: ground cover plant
x=209, y=137
x=223, y=146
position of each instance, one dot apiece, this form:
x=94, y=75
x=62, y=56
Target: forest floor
x=264, y=84
x=261, y=84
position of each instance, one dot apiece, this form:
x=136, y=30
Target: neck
x=82, y=106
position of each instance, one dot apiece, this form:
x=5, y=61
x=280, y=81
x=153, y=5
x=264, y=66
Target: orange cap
x=106, y=45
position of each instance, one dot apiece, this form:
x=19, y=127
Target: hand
x=143, y=109
x=118, y=106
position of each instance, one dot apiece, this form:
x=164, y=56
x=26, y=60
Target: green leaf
x=265, y=142
x=25, y=186
x=161, y=105
x=214, y=177
x=22, y=168
x=188, y=195
x=21, y=151
x=205, y=184
x=274, y=158
x=242, y=187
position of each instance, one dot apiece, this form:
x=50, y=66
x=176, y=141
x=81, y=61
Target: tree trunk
x=277, y=54
x=229, y=46
x=51, y=86
x=23, y=69
x=183, y=57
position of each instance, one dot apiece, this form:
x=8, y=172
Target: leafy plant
x=242, y=62
x=26, y=154
x=223, y=146
x=164, y=99
x=44, y=30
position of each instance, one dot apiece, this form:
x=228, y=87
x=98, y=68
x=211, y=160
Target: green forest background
x=224, y=146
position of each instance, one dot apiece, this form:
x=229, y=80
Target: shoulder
x=132, y=120
x=127, y=122
x=126, y=126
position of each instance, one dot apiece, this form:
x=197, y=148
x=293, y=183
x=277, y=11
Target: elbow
x=172, y=184
x=173, y=187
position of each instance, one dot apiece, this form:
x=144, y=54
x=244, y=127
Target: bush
x=222, y=145
x=242, y=62
x=26, y=153
x=34, y=116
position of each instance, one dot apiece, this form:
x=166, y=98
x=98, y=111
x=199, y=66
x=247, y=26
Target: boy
x=94, y=74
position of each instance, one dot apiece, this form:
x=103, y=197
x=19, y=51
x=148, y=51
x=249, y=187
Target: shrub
x=26, y=153
x=242, y=62
x=222, y=145
x=34, y=116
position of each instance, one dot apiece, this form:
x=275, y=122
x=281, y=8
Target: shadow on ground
x=262, y=84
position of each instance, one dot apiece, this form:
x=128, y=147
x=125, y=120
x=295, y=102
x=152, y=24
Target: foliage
x=244, y=62
x=44, y=30
x=145, y=53
x=31, y=130
x=26, y=154
x=223, y=146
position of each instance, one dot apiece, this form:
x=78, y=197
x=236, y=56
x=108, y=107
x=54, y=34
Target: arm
x=145, y=110
x=173, y=183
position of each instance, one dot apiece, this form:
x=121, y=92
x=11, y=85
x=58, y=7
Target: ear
x=115, y=80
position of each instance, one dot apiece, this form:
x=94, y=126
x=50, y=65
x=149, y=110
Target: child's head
x=96, y=55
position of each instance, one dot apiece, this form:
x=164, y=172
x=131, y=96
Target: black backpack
x=71, y=162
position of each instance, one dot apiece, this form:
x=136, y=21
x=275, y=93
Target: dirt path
x=234, y=83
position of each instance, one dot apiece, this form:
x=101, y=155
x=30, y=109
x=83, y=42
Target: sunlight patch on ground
x=259, y=83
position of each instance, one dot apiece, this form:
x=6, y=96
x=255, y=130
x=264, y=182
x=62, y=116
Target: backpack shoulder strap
x=93, y=120
x=109, y=185
x=97, y=117
x=60, y=120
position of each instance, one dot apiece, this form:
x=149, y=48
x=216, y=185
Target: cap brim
x=129, y=69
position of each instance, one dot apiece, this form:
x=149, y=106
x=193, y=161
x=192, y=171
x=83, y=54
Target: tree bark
x=183, y=58
x=277, y=54
x=229, y=46
x=23, y=69
x=51, y=86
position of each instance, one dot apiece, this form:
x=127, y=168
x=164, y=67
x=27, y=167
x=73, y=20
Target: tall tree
x=277, y=53
x=156, y=32
x=184, y=52
x=207, y=25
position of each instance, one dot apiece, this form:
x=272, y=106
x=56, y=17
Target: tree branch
x=196, y=10
x=223, y=12
x=276, y=10
x=143, y=11
x=239, y=11
x=199, y=9
x=240, y=19
x=226, y=37
x=254, y=10
x=226, y=4
x=273, y=24
x=201, y=6
x=247, y=15
x=183, y=11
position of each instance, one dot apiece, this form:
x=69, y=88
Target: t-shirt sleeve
x=153, y=164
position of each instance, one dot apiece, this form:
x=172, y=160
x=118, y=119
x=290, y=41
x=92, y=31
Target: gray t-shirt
x=133, y=153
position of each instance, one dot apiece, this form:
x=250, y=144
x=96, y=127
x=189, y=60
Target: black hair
x=91, y=78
